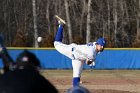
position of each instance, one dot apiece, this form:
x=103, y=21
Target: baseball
x=39, y=39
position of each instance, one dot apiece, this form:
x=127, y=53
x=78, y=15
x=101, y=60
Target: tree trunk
x=115, y=21
x=138, y=20
x=82, y=18
x=35, y=23
x=88, y=21
x=68, y=20
x=122, y=19
x=47, y=17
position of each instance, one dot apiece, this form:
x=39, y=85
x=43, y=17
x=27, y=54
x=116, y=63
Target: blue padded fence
x=109, y=59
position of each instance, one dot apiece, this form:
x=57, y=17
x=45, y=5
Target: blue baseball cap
x=101, y=41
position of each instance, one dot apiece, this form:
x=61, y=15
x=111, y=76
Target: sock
x=59, y=34
x=76, y=81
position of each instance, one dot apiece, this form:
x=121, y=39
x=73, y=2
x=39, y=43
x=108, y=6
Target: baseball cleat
x=60, y=20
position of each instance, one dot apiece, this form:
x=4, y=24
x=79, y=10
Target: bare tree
x=68, y=20
x=138, y=20
x=115, y=21
x=35, y=23
x=108, y=23
x=88, y=21
x=47, y=16
x=84, y=8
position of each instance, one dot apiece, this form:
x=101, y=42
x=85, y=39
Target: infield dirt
x=97, y=81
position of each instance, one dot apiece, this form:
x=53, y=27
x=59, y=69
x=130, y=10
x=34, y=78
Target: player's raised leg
x=59, y=34
x=59, y=46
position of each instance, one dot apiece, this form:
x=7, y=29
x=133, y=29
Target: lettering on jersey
x=90, y=44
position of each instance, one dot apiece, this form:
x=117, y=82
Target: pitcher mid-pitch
x=78, y=53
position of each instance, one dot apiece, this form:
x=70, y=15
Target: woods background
x=22, y=21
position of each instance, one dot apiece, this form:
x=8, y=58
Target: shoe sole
x=60, y=19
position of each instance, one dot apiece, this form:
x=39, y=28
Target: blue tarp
x=109, y=59
x=119, y=59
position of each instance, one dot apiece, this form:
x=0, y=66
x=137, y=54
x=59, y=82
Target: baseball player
x=77, y=53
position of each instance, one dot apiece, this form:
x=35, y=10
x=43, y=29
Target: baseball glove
x=88, y=62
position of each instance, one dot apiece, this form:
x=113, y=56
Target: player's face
x=99, y=48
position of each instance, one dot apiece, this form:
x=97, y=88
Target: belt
x=72, y=53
